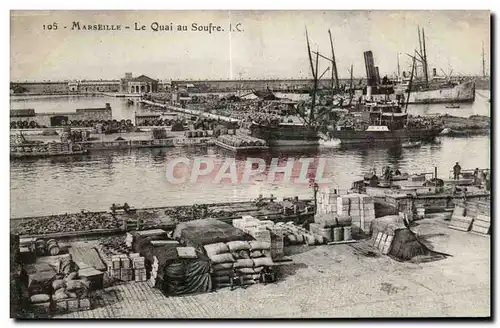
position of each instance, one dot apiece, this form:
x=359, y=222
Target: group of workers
x=480, y=176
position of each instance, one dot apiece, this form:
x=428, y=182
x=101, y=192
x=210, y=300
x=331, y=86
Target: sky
x=270, y=44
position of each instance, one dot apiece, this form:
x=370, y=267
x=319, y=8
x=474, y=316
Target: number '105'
x=52, y=26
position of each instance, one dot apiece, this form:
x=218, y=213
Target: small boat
x=411, y=144
x=452, y=106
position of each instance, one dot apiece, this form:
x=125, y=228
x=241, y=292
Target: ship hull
x=285, y=135
x=461, y=93
x=380, y=137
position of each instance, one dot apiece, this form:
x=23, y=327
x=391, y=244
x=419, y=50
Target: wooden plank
x=458, y=228
x=343, y=242
x=480, y=230
x=377, y=240
x=482, y=224
x=382, y=242
x=388, y=244
x=481, y=217
x=479, y=234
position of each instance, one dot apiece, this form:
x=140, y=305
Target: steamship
x=435, y=89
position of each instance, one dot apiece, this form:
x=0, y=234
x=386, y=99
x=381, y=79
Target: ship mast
x=409, y=84
x=314, y=71
x=350, y=87
x=425, y=60
x=399, y=70
x=484, y=71
x=334, y=64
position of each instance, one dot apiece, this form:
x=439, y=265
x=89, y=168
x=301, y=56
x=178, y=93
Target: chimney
x=371, y=74
x=377, y=74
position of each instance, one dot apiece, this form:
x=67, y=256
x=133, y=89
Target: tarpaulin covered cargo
x=177, y=275
x=199, y=233
x=394, y=238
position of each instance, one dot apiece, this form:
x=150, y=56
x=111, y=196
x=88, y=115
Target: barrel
x=420, y=212
x=347, y=233
x=40, y=246
x=53, y=247
x=338, y=234
x=326, y=233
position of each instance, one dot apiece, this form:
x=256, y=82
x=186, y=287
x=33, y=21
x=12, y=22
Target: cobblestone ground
x=335, y=281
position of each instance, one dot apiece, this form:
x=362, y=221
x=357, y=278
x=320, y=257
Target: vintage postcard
x=250, y=164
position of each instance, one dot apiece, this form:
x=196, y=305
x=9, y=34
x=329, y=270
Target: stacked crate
x=360, y=208
x=139, y=267
x=263, y=230
x=327, y=202
x=125, y=268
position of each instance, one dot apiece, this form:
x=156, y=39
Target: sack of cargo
x=259, y=245
x=256, y=254
x=39, y=298
x=310, y=240
x=266, y=253
x=222, y=266
x=222, y=258
x=258, y=269
x=238, y=245
x=58, y=284
x=72, y=276
x=74, y=285
x=243, y=254
x=216, y=249
x=222, y=279
x=221, y=273
x=319, y=239
x=246, y=270
x=243, y=263
x=72, y=294
x=60, y=294
x=263, y=261
x=291, y=239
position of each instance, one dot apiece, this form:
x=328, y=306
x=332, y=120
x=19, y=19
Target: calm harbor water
x=95, y=181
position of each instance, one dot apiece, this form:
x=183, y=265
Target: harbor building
x=60, y=118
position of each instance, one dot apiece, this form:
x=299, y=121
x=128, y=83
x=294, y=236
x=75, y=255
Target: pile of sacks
x=71, y=293
x=238, y=262
x=294, y=235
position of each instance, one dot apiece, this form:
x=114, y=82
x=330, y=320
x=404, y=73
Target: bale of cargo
x=176, y=275
x=199, y=233
x=326, y=233
x=338, y=234
x=347, y=233
x=216, y=248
